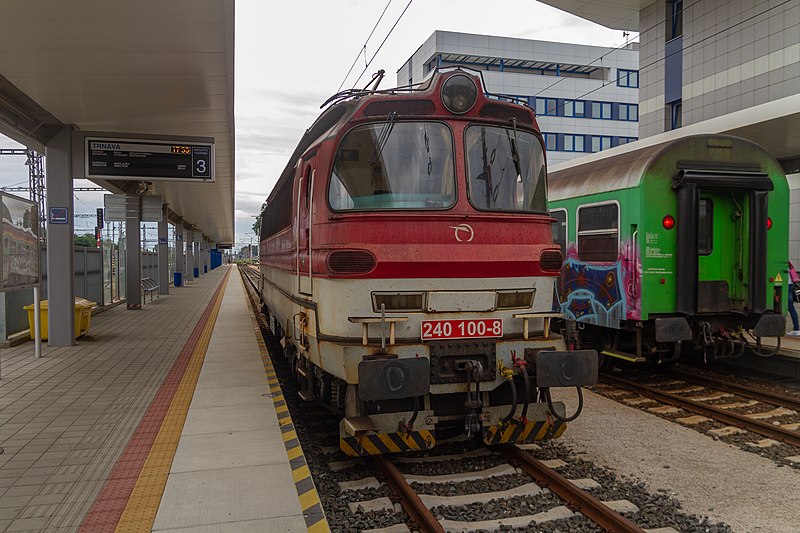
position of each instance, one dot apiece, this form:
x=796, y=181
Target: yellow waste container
x=83, y=317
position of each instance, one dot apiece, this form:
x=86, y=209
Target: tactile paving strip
x=304, y=484
x=130, y=498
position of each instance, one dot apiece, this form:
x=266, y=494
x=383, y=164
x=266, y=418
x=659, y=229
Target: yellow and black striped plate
x=383, y=443
x=516, y=432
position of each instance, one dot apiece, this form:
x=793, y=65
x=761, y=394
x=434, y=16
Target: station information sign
x=144, y=159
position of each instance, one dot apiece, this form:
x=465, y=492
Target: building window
x=600, y=142
x=574, y=108
x=674, y=19
x=573, y=143
x=598, y=233
x=626, y=140
x=629, y=112
x=627, y=78
x=674, y=119
x=560, y=229
x=601, y=110
x=550, y=141
x=546, y=106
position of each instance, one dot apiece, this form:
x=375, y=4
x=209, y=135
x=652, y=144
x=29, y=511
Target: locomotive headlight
x=514, y=299
x=398, y=301
x=459, y=94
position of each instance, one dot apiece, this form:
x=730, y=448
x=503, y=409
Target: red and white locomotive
x=407, y=264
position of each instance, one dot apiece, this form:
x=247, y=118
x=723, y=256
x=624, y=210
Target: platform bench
x=149, y=285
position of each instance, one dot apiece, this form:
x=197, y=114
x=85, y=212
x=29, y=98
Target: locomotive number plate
x=462, y=329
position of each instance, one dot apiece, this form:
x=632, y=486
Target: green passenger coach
x=686, y=240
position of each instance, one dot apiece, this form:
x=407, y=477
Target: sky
x=291, y=56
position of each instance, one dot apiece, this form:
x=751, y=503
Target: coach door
x=721, y=262
x=721, y=231
x=303, y=225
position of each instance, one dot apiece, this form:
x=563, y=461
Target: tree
x=257, y=222
x=86, y=239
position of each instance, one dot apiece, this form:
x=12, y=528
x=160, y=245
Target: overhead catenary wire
x=616, y=48
x=396, y=22
x=655, y=62
x=363, y=49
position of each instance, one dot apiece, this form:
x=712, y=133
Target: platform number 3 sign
x=200, y=162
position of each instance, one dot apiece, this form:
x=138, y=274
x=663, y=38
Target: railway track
x=446, y=491
x=576, y=499
x=740, y=420
x=754, y=393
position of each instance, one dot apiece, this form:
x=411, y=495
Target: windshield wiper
x=383, y=137
x=486, y=175
x=514, y=150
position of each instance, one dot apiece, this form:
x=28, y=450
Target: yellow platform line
x=307, y=494
x=140, y=511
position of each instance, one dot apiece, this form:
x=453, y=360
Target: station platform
x=165, y=419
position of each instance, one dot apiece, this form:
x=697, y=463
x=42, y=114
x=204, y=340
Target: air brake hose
x=510, y=414
x=527, y=382
x=553, y=411
x=413, y=419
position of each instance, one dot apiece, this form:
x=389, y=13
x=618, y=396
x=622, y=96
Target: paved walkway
x=231, y=471
x=66, y=418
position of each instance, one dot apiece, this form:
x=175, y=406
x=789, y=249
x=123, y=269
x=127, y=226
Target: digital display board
x=144, y=159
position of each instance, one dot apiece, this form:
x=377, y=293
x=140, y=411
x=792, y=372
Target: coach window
x=560, y=229
x=505, y=169
x=705, y=227
x=598, y=233
x=394, y=165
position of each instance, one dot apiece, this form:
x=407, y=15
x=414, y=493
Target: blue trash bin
x=196, y=272
x=178, y=279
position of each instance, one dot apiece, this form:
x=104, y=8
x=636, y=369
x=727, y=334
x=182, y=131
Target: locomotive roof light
x=668, y=222
x=459, y=93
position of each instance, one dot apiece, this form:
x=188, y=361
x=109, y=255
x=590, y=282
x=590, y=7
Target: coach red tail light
x=668, y=222
x=459, y=94
x=769, y=223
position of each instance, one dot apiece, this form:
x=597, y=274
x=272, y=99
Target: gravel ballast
x=709, y=477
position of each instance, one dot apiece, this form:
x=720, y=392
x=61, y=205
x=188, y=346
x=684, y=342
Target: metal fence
x=99, y=276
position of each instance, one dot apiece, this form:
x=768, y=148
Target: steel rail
x=577, y=499
x=742, y=421
x=742, y=390
x=412, y=505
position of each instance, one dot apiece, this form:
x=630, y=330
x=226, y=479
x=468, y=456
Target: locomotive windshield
x=394, y=165
x=506, y=170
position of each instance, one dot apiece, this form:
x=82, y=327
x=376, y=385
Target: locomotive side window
x=560, y=229
x=506, y=170
x=278, y=213
x=394, y=165
x=598, y=232
x=705, y=227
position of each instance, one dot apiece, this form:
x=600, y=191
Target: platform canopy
x=149, y=66
x=614, y=14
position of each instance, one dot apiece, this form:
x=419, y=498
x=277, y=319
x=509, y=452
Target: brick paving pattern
x=66, y=418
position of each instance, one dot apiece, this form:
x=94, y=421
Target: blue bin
x=178, y=279
x=196, y=272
